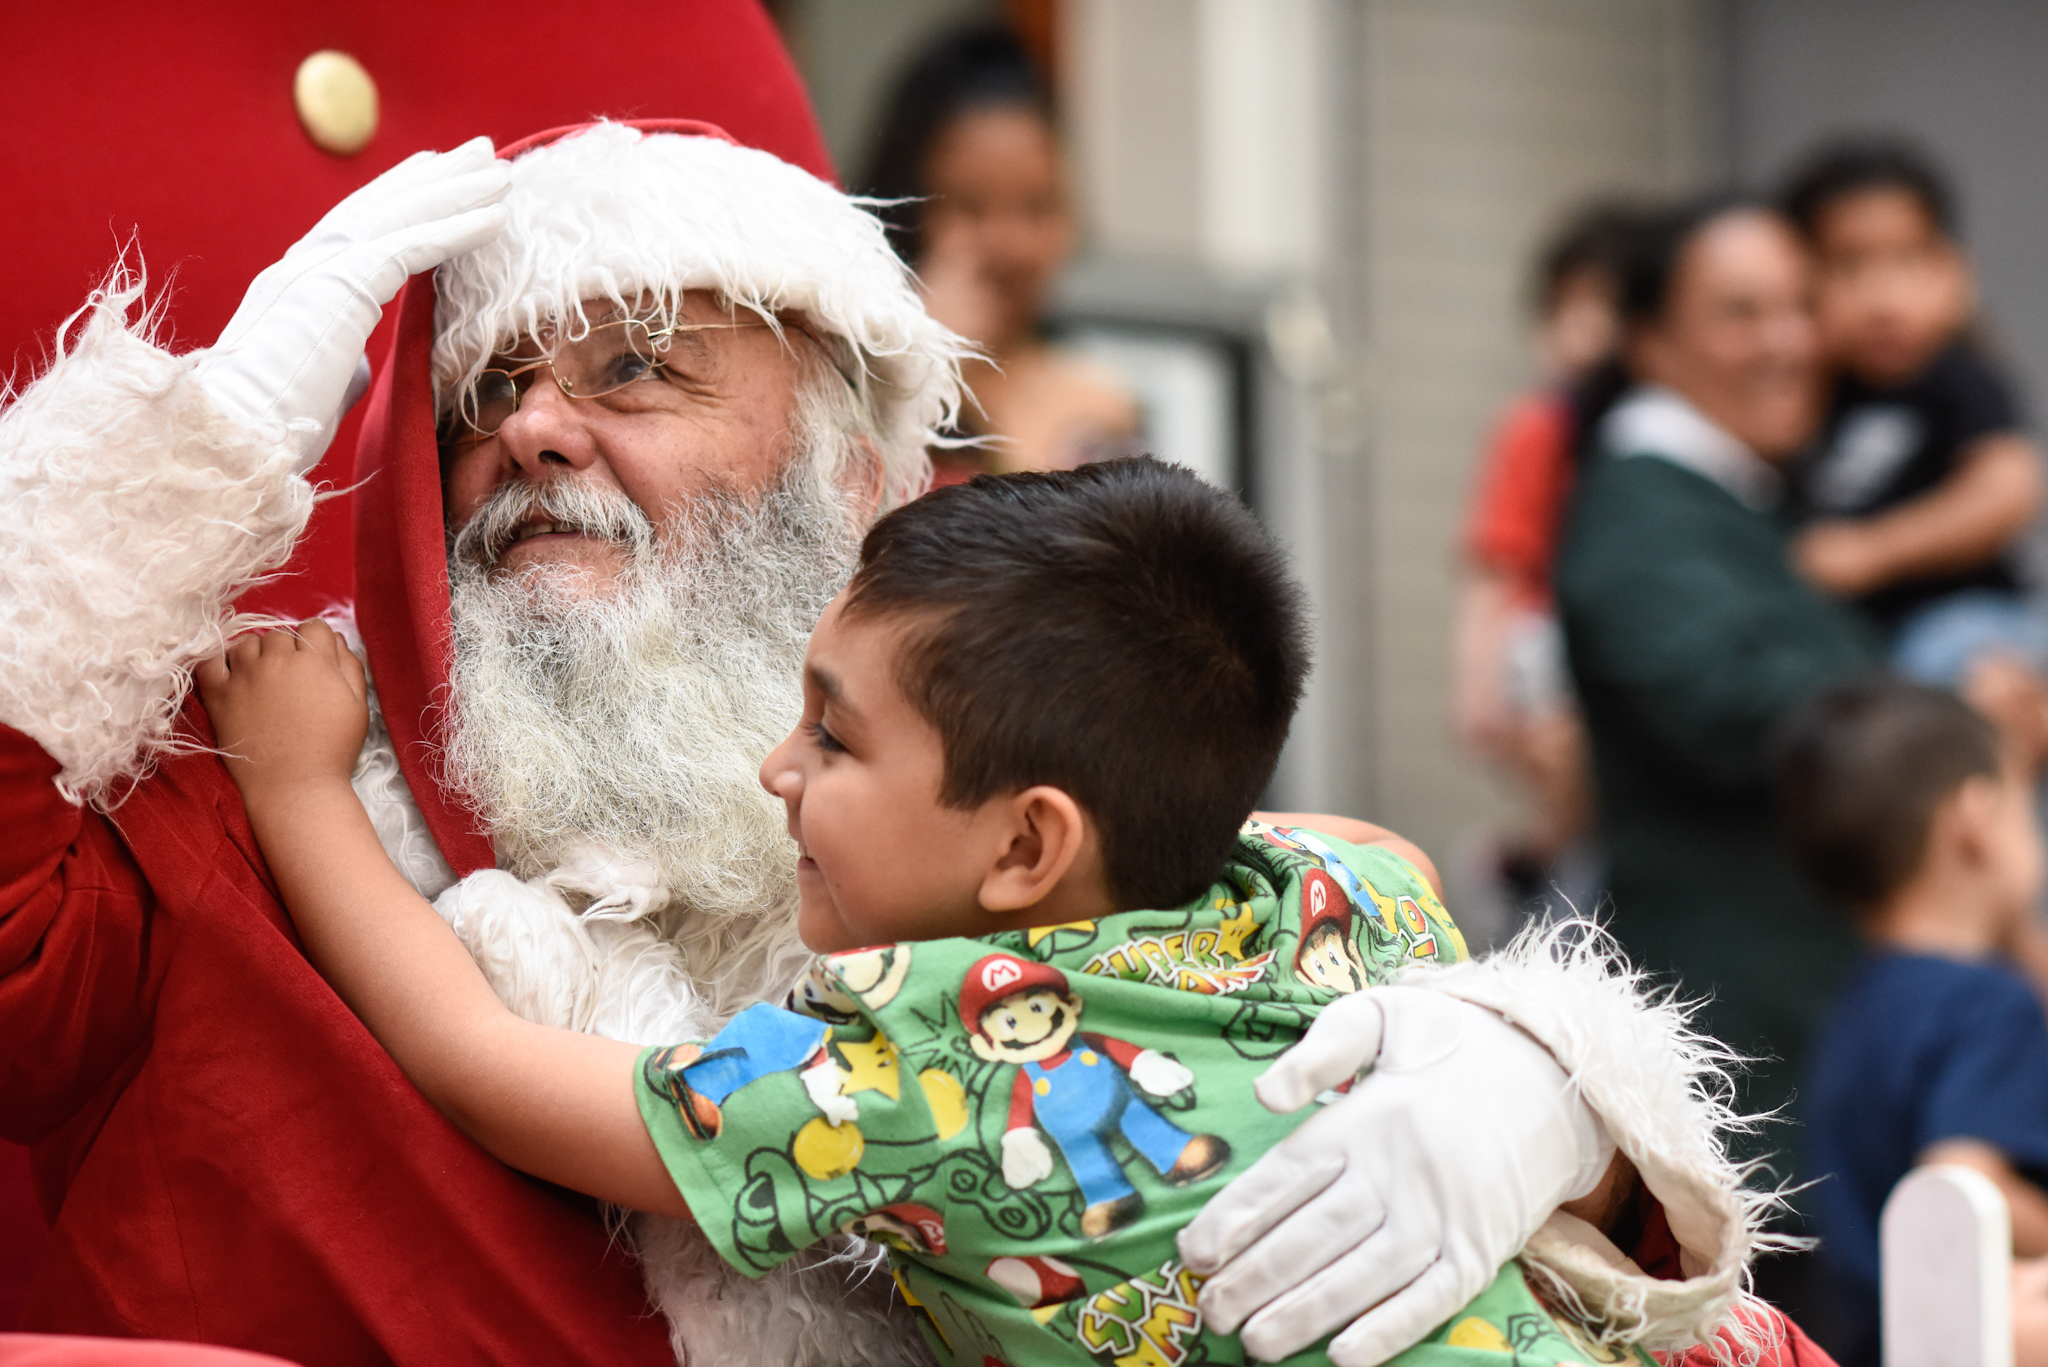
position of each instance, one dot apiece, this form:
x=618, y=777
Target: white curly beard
x=612, y=743
x=636, y=721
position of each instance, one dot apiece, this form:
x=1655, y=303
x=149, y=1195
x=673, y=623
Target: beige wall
x=1397, y=160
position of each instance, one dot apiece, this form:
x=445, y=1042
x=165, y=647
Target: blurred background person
x=1511, y=696
x=1924, y=482
x=1691, y=638
x=970, y=154
x=1905, y=810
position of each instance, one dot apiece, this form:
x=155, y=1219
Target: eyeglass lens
x=606, y=359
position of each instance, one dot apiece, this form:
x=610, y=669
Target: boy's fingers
x=211, y=673
x=315, y=634
x=352, y=670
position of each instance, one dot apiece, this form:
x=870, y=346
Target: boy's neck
x=1930, y=916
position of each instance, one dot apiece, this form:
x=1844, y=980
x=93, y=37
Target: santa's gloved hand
x=1026, y=1159
x=1396, y=1204
x=293, y=351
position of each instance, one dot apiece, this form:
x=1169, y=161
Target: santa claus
x=614, y=465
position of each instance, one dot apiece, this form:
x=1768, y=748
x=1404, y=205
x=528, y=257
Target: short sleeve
x=1992, y=1083
x=761, y=1126
x=1518, y=501
x=1978, y=399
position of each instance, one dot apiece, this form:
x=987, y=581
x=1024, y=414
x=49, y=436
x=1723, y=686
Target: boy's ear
x=1047, y=834
x=1971, y=814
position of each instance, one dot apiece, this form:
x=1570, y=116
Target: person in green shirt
x=1690, y=635
x=1055, y=957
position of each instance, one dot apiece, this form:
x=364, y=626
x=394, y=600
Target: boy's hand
x=289, y=707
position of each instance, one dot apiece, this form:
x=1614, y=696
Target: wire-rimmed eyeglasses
x=603, y=361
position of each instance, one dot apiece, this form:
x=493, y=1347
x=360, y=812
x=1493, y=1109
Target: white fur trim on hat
x=615, y=213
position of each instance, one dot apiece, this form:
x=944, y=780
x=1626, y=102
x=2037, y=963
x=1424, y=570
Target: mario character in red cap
x=1022, y=1012
x=1328, y=955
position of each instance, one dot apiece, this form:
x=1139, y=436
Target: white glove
x=294, y=347
x=1160, y=1075
x=1026, y=1159
x=1396, y=1204
x=823, y=1082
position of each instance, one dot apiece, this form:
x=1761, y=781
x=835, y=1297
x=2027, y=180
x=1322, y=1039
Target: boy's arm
x=2028, y=1202
x=1964, y=521
x=1355, y=832
x=289, y=712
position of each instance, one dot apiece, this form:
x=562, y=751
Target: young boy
x=1898, y=806
x=1044, y=704
x=1923, y=480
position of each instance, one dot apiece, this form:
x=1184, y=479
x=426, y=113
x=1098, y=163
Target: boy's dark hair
x=978, y=66
x=1124, y=632
x=1657, y=245
x=1859, y=771
x=1595, y=238
x=1852, y=166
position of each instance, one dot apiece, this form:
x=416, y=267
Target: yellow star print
x=871, y=1066
x=1234, y=931
x=1037, y=933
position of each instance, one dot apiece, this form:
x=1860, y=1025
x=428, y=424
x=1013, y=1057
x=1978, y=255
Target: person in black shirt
x=1923, y=480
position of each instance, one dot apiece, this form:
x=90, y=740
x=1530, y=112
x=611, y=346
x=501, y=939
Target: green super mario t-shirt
x=1027, y=1120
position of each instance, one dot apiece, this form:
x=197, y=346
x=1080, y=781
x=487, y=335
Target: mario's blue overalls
x=1083, y=1099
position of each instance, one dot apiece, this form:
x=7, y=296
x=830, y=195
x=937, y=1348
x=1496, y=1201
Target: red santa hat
x=623, y=210
x=997, y=977
x=610, y=210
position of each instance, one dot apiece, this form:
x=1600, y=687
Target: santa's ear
x=1044, y=835
x=983, y=1050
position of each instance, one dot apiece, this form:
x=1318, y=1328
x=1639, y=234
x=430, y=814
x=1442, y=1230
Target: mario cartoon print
x=1078, y=1087
x=699, y=1078
x=1328, y=954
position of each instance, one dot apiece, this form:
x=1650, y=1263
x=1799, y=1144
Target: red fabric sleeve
x=1022, y=1111
x=1524, y=478
x=75, y=981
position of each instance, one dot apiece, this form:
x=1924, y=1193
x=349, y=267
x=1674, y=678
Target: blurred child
x=1899, y=806
x=1510, y=698
x=1923, y=480
x=1031, y=1081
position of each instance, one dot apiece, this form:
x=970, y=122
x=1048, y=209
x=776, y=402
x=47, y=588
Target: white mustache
x=571, y=505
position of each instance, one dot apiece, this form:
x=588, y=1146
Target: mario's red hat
x=997, y=977
x=1323, y=903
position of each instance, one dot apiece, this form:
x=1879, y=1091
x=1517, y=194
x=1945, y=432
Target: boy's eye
x=826, y=741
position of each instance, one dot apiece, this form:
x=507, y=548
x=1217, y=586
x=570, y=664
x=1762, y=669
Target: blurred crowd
x=1746, y=615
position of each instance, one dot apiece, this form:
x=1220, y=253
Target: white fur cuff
x=133, y=511
x=1661, y=1090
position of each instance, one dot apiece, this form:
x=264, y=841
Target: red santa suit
x=222, y=1152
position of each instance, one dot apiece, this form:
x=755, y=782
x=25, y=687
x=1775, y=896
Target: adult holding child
x=1691, y=636
x=617, y=463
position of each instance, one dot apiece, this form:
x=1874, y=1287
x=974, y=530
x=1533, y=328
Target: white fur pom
x=1663, y=1092
x=133, y=512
